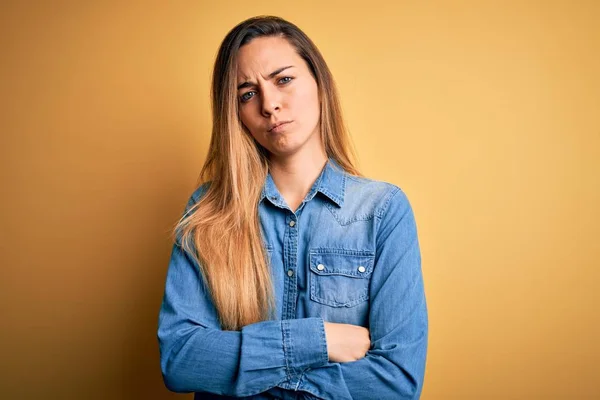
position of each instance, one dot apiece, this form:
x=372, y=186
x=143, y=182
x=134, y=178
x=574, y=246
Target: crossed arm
x=300, y=354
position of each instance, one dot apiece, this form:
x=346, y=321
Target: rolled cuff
x=304, y=344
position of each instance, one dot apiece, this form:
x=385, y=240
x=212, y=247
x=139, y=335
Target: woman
x=291, y=275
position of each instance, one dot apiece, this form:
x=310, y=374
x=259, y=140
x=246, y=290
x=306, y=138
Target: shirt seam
x=286, y=351
x=387, y=203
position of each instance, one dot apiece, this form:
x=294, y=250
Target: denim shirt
x=348, y=254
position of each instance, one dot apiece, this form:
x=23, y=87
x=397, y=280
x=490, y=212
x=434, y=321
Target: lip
x=278, y=126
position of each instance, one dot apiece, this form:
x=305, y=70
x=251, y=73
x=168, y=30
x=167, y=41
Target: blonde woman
x=292, y=276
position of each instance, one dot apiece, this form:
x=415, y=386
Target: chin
x=285, y=144
x=283, y=152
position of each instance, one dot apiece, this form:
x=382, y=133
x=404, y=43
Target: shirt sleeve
x=196, y=355
x=394, y=367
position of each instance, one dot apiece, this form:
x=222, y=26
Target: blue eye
x=289, y=79
x=246, y=96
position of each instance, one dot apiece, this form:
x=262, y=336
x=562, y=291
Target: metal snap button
x=361, y=269
x=320, y=267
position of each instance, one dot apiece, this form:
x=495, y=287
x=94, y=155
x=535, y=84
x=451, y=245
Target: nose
x=271, y=101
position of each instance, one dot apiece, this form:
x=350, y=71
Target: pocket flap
x=351, y=263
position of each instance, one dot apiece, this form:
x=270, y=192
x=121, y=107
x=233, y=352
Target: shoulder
x=377, y=195
x=364, y=199
x=196, y=196
x=388, y=205
x=200, y=192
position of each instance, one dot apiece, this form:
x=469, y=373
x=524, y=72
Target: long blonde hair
x=222, y=231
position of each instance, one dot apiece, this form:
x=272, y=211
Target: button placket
x=291, y=264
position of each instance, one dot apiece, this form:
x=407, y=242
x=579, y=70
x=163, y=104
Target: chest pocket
x=340, y=278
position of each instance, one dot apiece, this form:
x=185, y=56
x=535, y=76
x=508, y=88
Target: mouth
x=277, y=126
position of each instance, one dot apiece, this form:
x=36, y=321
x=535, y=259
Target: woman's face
x=278, y=97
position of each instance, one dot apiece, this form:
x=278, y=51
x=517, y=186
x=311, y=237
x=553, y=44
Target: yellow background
x=486, y=113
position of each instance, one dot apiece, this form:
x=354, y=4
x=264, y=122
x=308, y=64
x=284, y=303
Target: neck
x=294, y=175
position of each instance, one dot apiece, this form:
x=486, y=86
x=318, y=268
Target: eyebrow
x=271, y=75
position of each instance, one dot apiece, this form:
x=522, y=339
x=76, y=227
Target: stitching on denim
x=314, y=275
x=346, y=272
x=299, y=381
x=391, y=195
x=324, y=342
x=342, y=251
x=333, y=303
x=356, y=218
x=286, y=355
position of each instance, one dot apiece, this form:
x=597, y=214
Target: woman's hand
x=346, y=342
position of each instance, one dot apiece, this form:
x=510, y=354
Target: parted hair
x=221, y=232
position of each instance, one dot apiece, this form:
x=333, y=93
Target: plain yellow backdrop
x=486, y=113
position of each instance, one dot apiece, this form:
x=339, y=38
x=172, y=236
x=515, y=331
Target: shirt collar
x=331, y=183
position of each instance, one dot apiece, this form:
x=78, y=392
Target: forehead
x=263, y=55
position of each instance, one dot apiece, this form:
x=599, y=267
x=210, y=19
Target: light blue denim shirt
x=348, y=254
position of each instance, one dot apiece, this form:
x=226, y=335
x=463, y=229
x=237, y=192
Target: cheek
x=307, y=101
x=247, y=119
